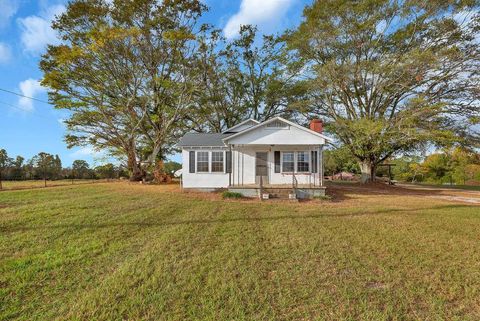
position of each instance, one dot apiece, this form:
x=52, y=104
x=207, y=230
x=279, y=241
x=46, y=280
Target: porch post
x=231, y=166
x=320, y=160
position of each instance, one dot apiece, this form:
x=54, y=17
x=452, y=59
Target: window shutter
x=277, y=161
x=314, y=162
x=191, y=161
x=228, y=162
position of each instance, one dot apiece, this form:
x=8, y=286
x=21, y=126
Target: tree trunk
x=136, y=173
x=368, y=170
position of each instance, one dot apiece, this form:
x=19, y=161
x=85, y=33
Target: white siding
x=201, y=180
x=277, y=136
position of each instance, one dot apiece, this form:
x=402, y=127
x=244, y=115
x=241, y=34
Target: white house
x=275, y=157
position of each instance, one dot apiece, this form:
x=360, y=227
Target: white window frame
x=307, y=153
x=209, y=153
x=196, y=161
x=281, y=161
x=223, y=161
x=295, y=162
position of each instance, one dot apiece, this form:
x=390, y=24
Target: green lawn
x=24, y=184
x=124, y=251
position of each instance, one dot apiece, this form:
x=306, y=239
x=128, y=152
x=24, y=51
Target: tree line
x=387, y=77
x=454, y=166
x=49, y=167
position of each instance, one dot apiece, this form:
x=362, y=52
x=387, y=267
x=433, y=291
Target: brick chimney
x=316, y=125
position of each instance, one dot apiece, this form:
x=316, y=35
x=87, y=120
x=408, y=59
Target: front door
x=261, y=167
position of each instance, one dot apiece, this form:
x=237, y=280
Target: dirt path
x=456, y=195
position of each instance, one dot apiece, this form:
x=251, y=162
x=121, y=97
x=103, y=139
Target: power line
x=21, y=95
x=22, y=109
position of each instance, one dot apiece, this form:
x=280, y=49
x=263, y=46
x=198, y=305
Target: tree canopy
x=123, y=70
x=390, y=76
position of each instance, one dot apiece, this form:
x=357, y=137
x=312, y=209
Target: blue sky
x=27, y=126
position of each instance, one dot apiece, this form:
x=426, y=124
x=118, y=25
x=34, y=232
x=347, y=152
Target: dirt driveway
x=338, y=189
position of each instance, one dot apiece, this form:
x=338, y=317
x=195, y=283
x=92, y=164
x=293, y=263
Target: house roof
x=220, y=139
x=233, y=129
x=277, y=119
x=201, y=139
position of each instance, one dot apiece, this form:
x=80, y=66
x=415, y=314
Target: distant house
x=273, y=157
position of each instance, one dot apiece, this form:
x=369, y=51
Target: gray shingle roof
x=197, y=139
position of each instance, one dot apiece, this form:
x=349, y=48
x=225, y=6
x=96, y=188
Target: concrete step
x=281, y=195
x=278, y=190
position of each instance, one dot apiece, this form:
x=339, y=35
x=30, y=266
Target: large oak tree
x=389, y=76
x=242, y=78
x=123, y=70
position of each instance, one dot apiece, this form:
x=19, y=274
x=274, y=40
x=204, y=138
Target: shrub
x=323, y=198
x=228, y=194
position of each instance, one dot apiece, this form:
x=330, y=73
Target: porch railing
x=261, y=187
x=294, y=184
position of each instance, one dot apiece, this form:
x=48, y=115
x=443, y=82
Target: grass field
x=121, y=251
x=9, y=185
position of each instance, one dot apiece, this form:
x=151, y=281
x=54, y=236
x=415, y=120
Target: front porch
x=283, y=171
x=302, y=191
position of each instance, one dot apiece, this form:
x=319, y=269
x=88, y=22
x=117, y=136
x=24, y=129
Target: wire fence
x=40, y=183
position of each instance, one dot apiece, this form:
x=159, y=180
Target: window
x=202, y=162
x=303, y=162
x=217, y=162
x=288, y=162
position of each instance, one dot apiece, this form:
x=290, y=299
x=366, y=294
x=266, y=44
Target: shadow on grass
x=224, y=220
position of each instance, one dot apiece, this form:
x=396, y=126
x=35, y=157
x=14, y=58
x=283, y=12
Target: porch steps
x=278, y=193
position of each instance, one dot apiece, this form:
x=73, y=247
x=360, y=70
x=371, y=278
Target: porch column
x=231, y=165
x=320, y=167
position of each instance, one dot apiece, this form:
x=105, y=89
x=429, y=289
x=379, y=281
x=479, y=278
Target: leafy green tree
x=406, y=169
x=123, y=70
x=391, y=76
x=436, y=168
x=5, y=161
x=106, y=171
x=171, y=167
x=339, y=160
x=45, y=164
x=460, y=159
x=57, y=167
x=18, y=171
x=80, y=168
x=240, y=79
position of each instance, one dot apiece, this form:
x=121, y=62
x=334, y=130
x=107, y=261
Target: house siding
x=202, y=180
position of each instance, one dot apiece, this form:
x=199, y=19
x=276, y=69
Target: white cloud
x=29, y=88
x=37, y=31
x=8, y=8
x=5, y=53
x=264, y=13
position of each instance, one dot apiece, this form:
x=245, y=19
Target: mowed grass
x=124, y=251
x=25, y=184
